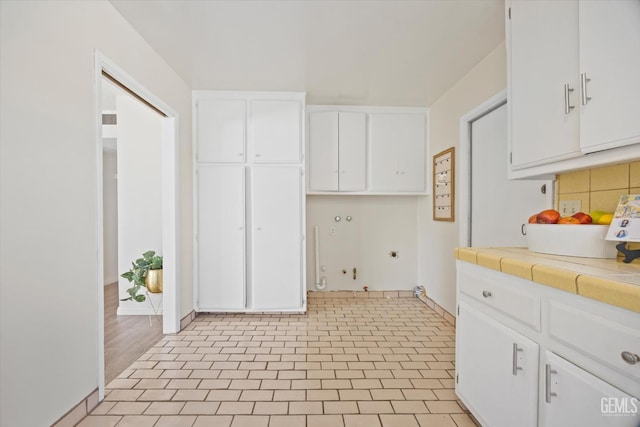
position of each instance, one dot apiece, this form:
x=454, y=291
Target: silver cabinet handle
x=629, y=357
x=547, y=382
x=486, y=294
x=516, y=368
x=583, y=88
x=567, y=104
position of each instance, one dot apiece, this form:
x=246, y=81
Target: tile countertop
x=606, y=280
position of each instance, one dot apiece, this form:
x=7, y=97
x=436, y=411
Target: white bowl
x=587, y=240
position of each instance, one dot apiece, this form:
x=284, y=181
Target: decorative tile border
x=441, y=311
x=78, y=412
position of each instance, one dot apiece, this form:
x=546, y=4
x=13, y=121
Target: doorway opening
x=494, y=209
x=139, y=159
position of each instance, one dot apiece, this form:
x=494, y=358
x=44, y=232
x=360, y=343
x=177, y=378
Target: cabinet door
x=353, y=152
x=574, y=397
x=543, y=58
x=397, y=152
x=277, y=250
x=276, y=131
x=323, y=151
x=496, y=370
x=221, y=237
x=610, y=58
x=221, y=125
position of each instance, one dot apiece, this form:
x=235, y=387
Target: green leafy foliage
x=138, y=273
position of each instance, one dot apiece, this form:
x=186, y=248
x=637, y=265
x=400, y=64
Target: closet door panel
x=276, y=222
x=221, y=237
x=276, y=133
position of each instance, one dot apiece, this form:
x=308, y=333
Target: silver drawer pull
x=548, y=392
x=629, y=357
x=516, y=368
x=486, y=294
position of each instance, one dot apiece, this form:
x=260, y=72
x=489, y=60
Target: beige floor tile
x=138, y=421
x=355, y=395
x=324, y=421
x=176, y=421
x=463, y=420
x=129, y=408
x=289, y=395
x=235, y=408
x=196, y=395
x=375, y=407
x=256, y=395
x=164, y=408
x=419, y=394
x=306, y=408
x=361, y=421
x=153, y=395
x=288, y=421
x=435, y=420
x=341, y=407
x=101, y=421
x=398, y=420
x=409, y=407
x=270, y=408
x=324, y=395
x=123, y=395
x=387, y=394
x=213, y=421
x=224, y=395
x=445, y=394
x=103, y=407
x=250, y=421
x=443, y=407
x=200, y=408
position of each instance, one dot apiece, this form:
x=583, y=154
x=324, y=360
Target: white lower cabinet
x=574, y=397
x=497, y=370
x=532, y=355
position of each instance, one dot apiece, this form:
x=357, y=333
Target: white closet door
x=276, y=134
x=276, y=253
x=221, y=237
x=352, y=158
x=221, y=127
x=323, y=151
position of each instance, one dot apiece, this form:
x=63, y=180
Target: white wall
x=437, y=239
x=48, y=208
x=110, y=215
x=139, y=192
x=380, y=224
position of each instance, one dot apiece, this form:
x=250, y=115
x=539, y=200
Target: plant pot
x=154, y=281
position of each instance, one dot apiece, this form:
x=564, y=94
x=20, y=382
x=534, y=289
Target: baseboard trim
x=78, y=412
x=438, y=309
x=360, y=294
x=186, y=320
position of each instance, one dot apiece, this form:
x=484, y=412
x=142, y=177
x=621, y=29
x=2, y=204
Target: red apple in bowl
x=549, y=216
x=583, y=218
x=533, y=219
x=568, y=220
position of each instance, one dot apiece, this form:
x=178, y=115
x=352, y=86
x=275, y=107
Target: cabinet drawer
x=596, y=336
x=500, y=294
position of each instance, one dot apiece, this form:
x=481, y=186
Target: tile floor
x=348, y=362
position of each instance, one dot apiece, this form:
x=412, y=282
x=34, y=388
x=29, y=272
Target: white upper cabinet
x=337, y=151
x=221, y=130
x=609, y=73
x=398, y=152
x=543, y=85
x=572, y=84
x=276, y=132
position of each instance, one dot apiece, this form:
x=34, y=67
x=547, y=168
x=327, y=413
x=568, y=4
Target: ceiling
x=384, y=52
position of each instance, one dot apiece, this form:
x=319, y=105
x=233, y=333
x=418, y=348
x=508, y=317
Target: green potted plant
x=144, y=272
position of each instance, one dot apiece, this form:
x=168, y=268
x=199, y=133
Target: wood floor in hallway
x=126, y=338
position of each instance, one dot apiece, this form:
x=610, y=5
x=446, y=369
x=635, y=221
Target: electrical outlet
x=569, y=207
x=332, y=231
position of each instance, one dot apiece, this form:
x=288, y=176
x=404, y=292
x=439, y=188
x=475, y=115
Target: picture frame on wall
x=444, y=185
